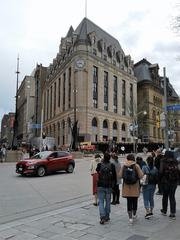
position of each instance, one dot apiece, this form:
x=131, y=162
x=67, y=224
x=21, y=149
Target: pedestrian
x=123, y=150
x=115, y=190
x=148, y=189
x=157, y=161
x=4, y=153
x=131, y=173
x=106, y=179
x=169, y=175
x=94, y=174
x=140, y=161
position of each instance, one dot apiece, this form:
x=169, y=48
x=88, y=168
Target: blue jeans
x=148, y=195
x=104, y=195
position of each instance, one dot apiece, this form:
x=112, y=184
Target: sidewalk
x=81, y=221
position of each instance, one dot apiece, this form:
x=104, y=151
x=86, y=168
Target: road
x=27, y=196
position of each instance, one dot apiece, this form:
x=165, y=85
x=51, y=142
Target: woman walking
x=131, y=173
x=169, y=177
x=148, y=190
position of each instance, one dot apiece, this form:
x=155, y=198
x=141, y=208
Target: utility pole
x=14, y=143
x=166, y=143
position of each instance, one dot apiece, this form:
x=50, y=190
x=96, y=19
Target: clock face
x=80, y=63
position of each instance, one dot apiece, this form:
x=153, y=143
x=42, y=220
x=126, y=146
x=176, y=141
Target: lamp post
x=15, y=132
x=134, y=128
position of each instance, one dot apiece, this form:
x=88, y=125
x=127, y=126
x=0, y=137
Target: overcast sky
x=33, y=29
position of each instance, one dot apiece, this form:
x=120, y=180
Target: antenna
x=86, y=8
x=17, y=72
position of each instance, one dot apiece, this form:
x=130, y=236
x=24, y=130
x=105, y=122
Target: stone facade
x=150, y=97
x=91, y=80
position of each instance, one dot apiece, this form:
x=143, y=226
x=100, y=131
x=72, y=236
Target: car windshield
x=41, y=155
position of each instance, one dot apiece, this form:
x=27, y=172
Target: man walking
x=106, y=179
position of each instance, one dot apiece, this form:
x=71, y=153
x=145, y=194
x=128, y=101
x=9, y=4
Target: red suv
x=46, y=162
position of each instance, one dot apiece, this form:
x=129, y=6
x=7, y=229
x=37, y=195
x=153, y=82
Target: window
x=94, y=122
x=115, y=94
x=64, y=88
x=123, y=97
x=123, y=128
x=69, y=89
x=131, y=100
x=54, y=98
x=105, y=124
x=105, y=57
x=51, y=102
x=94, y=51
x=95, y=87
x=59, y=91
x=47, y=101
x=106, y=91
x=114, y=126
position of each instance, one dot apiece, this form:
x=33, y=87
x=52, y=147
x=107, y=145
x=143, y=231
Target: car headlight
x=31, y=167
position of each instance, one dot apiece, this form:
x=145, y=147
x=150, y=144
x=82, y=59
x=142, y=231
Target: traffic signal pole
x=166, y=143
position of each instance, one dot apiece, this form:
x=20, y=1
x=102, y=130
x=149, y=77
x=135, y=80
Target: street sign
x=35, y=125
x=173, y=107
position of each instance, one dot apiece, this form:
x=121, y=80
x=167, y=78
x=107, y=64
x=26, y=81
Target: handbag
x=144, y=180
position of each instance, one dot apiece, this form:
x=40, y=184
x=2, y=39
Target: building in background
x=7, y=125
x=40, y=79
x=25, y=109
x=150, y=97
x=90, y=84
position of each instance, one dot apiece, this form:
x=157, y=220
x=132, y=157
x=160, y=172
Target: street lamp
x=134, y=127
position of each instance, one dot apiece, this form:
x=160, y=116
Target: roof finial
x=86, y=8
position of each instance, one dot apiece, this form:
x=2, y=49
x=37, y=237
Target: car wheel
x=41, y=171
x=70, y=168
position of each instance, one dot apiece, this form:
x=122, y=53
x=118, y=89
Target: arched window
x=114, y=126
x=105, y=124
x=123, y=128
x=94, y=122
x=154, y=115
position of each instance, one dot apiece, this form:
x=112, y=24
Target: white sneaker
x=130, y=220
x=134, y=216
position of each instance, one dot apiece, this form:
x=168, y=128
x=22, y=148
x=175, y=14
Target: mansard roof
x=86, y=27
x=141, y=70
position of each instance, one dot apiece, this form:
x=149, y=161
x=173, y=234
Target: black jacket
x=103, y=183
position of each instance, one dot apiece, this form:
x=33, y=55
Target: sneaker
x=107, y=219
x=102, y=221
x=135, y=216
x=172, y=216
x=163, y=212
x=159, y=193
x=130, y=220
x=148, y=215
x=117, y=202
x=95, y=204
x=113, y=203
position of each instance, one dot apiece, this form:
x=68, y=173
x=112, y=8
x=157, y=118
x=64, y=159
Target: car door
x=62, y=160
x=52, y=162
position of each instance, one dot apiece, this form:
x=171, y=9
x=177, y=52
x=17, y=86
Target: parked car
x=46, y=162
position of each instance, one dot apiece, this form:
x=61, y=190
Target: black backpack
x=152, y=177
x=106, y=175
x=172, y=172
x=130, y=175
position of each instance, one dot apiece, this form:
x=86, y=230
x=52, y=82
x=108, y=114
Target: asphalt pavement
x=81, y=221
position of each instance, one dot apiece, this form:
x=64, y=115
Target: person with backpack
x=131, y=174
x=115, y=191
x=148, y=189
x=106, y=180
x=169, y=175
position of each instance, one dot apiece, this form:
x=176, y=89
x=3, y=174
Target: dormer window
x=93, y=39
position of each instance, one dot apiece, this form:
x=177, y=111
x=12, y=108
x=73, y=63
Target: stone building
x=150, y=97
x=25, y=109
x=7, y=124
x=90, y=82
